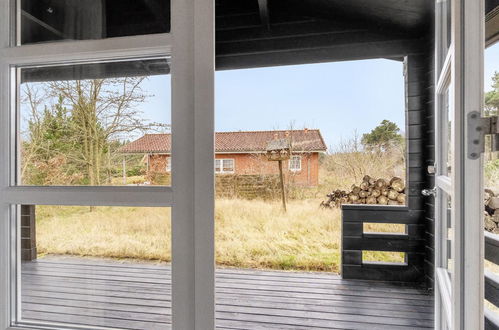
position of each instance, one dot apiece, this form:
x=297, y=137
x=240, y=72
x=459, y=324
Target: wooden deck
x=137, y=296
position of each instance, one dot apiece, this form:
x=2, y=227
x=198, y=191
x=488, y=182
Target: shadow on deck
x=103, y=293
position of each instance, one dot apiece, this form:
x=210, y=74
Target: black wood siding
x=429, y=157
x=421, y=150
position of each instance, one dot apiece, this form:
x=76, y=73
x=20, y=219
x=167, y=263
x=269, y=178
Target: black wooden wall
x=429, y=157
x=421, y=153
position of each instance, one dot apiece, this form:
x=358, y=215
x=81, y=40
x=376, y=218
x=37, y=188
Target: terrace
x=68, y=292
x=138, y=296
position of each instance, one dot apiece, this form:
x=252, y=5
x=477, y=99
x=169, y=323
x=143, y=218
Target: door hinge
x=478, y=128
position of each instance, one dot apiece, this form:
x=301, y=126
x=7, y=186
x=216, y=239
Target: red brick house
x=243, y=153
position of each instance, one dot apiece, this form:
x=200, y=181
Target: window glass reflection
x=56, y=20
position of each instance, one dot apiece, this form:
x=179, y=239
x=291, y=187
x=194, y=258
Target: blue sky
x=338, y=98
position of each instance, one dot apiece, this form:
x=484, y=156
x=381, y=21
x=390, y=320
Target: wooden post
x=28, y=233
x=282, y=186
x=124, y=170
x=309, y=181
x=279, y=150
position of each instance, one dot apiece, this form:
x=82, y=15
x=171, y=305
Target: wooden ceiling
x=253, y=33
x=257, y=33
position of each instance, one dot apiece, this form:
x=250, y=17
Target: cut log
x=493, y=203
x=364, y=185
x=381, y=183
x=398, y=185
x=371, y=191
x=488, y=193
x=401, y=198
x=395, y=178
x=392, y=194
x=353, y=197
x=363, y=194
x=382, y=200
x=489, y=224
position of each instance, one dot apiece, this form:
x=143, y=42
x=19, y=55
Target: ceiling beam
x=492, y=27
x=263, y=7
x=301, y=42
x=346, y=52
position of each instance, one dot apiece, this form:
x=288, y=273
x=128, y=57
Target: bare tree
x=100, y=112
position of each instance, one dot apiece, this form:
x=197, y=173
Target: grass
x=249, y=234
x=259, y=234
x=116, y=232
x=138, y=179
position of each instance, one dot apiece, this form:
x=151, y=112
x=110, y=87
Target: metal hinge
x=478, y=128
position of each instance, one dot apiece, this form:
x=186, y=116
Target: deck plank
x=106, y=293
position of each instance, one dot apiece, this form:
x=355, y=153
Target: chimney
x=306, y=130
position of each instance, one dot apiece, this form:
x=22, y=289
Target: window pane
x=95, y=267
x=295, y=163
x=228, y=165
x=168, y=164
x=95, y=124
x=56, y=20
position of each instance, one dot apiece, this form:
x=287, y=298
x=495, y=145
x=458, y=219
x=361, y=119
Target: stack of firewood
x=491, y=211
x=370, y=191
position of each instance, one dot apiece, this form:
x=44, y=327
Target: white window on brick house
x=224, y=165
x=295, y=163
x=168, y=164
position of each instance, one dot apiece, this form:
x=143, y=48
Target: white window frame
x=291, y=168
x=222, y=171
x=459, y=299
x=191, y=196
x=168, y=165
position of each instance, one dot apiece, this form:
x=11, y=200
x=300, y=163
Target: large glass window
x=95, y=124
x=57, y=20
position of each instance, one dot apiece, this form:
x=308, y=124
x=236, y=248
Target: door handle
x=429, y=192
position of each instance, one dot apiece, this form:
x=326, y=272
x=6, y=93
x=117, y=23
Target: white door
x=458, y=200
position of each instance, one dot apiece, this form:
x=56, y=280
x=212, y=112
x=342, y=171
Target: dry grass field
x=249, y=234
x=117, y=232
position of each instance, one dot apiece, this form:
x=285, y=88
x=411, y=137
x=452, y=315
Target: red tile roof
x=249, y=141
